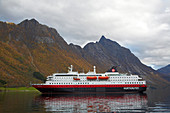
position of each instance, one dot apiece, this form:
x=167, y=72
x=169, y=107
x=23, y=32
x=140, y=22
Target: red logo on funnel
x=113, y=70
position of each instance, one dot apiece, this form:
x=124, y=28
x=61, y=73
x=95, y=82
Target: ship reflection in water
x=94, y=102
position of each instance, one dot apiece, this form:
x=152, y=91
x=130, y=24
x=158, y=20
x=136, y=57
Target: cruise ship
x=110, y=81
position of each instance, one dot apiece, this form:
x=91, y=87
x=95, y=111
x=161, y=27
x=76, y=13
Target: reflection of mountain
x=94, y=103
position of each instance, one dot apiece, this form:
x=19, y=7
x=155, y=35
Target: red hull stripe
x=85, y=86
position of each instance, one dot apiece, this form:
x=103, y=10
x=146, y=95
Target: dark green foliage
x=39, y=76
x=3, y=82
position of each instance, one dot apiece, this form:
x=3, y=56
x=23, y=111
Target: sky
x=143, y=26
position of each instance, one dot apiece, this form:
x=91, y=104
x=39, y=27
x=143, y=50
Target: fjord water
x=33, y=102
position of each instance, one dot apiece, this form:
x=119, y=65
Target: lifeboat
x=92, y=78
x=103, y=77
x=76, y=78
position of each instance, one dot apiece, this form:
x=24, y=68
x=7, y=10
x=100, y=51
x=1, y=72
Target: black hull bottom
x=99, y=90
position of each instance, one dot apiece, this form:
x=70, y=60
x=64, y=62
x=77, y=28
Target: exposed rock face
x=39, y=33
x=32, y=47
x=108, y=53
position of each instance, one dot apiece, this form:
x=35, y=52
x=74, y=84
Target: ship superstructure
x=111, y=81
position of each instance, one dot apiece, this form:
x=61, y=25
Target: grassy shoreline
x=18, y=89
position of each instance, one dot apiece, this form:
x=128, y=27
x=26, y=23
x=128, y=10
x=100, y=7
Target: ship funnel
x=94, y=69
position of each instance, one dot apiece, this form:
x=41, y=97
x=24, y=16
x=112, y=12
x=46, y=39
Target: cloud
x=141, y=25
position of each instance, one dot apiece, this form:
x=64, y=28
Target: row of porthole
x=133, y=82
x=123, y=79
x=88, y=83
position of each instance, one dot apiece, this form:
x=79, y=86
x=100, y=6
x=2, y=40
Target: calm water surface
x=33, y=102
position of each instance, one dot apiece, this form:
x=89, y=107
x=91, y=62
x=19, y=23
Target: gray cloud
x=141, y=25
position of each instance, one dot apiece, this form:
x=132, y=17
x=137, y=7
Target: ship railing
x=37, y=84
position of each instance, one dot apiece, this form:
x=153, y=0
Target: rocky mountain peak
x=36, y=32
x=102, y=38
x=29, y=23
x=33, y=21
x=104, y=41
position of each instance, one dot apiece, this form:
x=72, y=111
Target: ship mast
x=94, y=69
x=70, y=69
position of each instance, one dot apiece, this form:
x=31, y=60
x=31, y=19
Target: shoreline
x=2, y=89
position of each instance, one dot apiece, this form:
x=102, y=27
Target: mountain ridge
x=165, y=71
x=39, y=48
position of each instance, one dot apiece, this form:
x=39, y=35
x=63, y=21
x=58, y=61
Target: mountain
x=106, y=53
x=30, y=47
x=165, y=71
